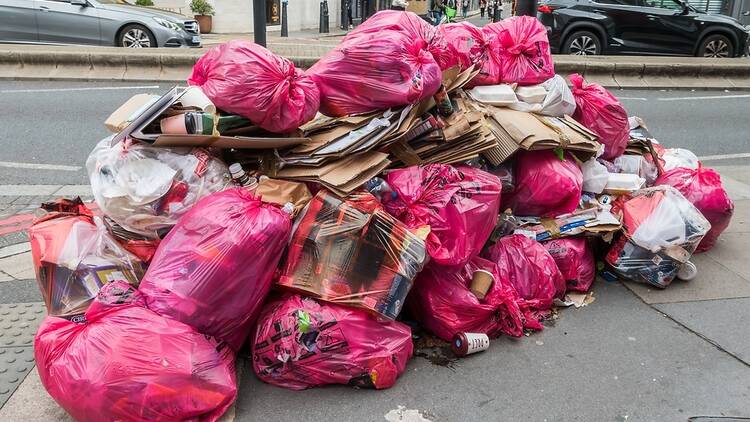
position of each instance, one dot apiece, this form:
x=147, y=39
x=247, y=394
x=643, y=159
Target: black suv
x=664, y=27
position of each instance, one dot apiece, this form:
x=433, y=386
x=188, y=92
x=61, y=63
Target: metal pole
x=259, y=22
x=284, y=26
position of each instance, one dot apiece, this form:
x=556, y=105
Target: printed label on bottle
x=476, y=342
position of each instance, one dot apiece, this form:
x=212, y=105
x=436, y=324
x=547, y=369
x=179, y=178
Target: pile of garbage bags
x=315, y=219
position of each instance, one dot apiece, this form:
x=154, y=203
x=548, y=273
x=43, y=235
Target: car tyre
x=135, y=36
x=583, y=43
x=717, y=46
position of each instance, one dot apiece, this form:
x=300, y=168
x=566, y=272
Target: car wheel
x=136, y=36
x=716, y=46
x=583, y=43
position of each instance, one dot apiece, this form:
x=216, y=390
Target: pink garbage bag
x=128, y=363
x=703, y=188
x=443, y=304
x=600, y=111
x=575, y=260
x=530, y=269
x=214, y=269
x=467, y=46
x=459, y=204
x=545, y=185
x=524, y=52
x=301, y=343
x=373, y=70
x=244, y=78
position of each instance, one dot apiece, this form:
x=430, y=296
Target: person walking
x=482, y=6
x=437, y=11
x=491, y=10
x=464, y=8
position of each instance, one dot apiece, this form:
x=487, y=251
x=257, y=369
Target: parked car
x=659, y=27
x=94, y=22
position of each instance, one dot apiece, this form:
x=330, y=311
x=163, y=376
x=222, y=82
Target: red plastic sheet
x=459, y=204
x=524, y=52
x=301, y=343
x=128, y=363
x=215, y=267
x=545, y=185
x=703, y=188
x=443, y=304
x=600, y=111
x=244, y=78
x=376, y=67
x=575, y=260
x=73, y=258
x=530, y=269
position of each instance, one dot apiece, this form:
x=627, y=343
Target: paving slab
x=722, y=321
x=740, y=222
x=18, y=324
x=18, y=291
x=32, y=403
x=614, y=360
x=714, y=281
x=731, y=251
x=14, y=249
x=18, y=266
x=28, y=190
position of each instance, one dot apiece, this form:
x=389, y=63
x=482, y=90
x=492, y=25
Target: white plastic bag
x=558, y=102
x=595, y=176
x=679, y=157
x=637, y=164
x=145, y=189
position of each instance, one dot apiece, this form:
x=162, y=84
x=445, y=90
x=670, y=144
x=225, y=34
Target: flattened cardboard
x=129, y=110
x=240, y=142
x=337, y=173
x=280, y=192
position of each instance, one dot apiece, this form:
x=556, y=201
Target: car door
x=62, y=22
x=671, y=30
x=625, y=24
x=18, y=21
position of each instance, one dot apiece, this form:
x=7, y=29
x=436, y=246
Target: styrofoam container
x=619, y=183
x=531, y=94
x=498, y=95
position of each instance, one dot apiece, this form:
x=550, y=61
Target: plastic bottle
x=241, y=178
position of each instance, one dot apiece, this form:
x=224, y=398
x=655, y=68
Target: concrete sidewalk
x=635, y=354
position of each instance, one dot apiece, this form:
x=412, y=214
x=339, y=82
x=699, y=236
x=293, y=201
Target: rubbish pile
x=443, y=178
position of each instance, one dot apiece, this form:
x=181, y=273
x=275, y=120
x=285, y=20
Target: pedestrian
x=450, y=10
x=399, y=5
x=482, y=6
x=464, y=8
x=490, y=10
x=437, y=11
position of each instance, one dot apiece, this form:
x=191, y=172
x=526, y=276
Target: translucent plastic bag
x=459, y=206
x=300, y=343
x=524, y=51
x=466, y=44
x=575, y=260
x=600, y=111
x=128, y=363
x=215, y=268
x=558, y=102
x=595, y=176
x=530, y=269
x=545, y=185
x=244, y=78
x=373, y=70
x=146, y=189
x=637, y=164
x=679, y=157
x=351, y=252
x=443, y=304
x=703, y=188
x=74, y=256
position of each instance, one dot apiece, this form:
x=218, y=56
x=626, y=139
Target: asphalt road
x=58, y=123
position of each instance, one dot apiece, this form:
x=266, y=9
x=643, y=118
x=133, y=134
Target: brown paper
x=282, y=191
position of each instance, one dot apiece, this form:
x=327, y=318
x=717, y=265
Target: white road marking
x=705, y=97
x=633, y=98
x=724, y=156
x=45, y=190
x=89, y=88
x=33, y=166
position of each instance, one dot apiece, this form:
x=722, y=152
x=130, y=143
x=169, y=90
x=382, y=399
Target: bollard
x=284, y=24
x=326, y=18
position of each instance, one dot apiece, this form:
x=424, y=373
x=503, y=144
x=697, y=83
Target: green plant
x=201, y=8
x=144, y=2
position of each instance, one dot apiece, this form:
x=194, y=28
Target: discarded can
x=467, y=343
x=444, y=105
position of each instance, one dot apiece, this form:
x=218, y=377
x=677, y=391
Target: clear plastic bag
x=595, y=176
x=74, y=256
x=301, y=343
x=679, y=157
x=126, y=363
x=352, y=252
x=637, y=164
x=558, y=102
x=215, y=267
x=145, y=189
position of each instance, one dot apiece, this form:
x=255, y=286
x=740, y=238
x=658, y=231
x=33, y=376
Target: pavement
x=634, y=354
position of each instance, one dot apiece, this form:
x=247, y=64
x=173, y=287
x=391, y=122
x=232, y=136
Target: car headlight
x=167, y=24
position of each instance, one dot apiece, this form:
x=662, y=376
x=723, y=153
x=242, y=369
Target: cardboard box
x=128, y=111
